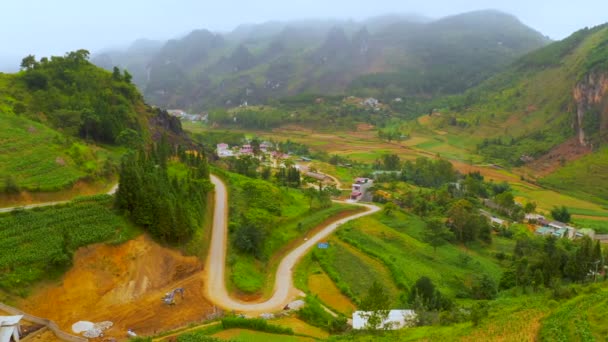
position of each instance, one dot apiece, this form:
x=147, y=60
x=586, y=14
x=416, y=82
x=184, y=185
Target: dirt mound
x=567, y=151
x=124, y=284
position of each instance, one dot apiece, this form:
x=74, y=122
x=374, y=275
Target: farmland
x=38, y=158
x=34, y=244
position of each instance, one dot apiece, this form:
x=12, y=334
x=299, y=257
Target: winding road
x=284, y=290
x=215, y=271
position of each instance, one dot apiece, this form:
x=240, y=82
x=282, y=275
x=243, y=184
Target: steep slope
x=62, y=119
x=386, y=57
x=549, y=108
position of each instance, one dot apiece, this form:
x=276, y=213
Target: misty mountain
x=386, y=57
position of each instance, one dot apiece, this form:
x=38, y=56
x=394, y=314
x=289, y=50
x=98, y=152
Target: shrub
x=257, y=324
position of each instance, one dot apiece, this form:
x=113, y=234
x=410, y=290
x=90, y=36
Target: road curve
x=284, y=290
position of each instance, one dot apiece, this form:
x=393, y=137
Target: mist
x=45, y=28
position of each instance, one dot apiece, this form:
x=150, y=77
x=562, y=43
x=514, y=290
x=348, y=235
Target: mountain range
x=385, y=57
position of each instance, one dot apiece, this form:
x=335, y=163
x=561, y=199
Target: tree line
x=169, y=207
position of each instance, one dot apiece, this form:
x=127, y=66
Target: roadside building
x=397, y=319
x=360, y=189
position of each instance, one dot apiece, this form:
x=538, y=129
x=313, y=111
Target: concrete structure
x=360, y=188
x=397, y=319
x=223, y=150
x=10, y=328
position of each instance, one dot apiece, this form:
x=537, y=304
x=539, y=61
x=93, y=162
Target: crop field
x=396, y=241
x=354, y=272
x=34, y=156
x=321, y=285
x=35, y=243
x=581, y=319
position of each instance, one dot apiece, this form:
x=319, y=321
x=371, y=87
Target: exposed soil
x=124, y=284
x=568, y=151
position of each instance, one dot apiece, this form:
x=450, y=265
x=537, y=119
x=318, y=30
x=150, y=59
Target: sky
x=52, y=27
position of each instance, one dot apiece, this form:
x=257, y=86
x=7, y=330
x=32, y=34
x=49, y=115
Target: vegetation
x=39, y=243
x=257, y=324
x=314, y=314
x=169, y=208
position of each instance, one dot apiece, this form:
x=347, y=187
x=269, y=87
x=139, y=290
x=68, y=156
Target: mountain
x=548, y=112
x=63, y=119
x=386, y=57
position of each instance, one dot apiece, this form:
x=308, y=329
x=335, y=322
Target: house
x=10, y=328
x=534, y=217
x=318, y=176
x=305, y=159
x=223, y=150
x=397, y=319
x=360, y=188
x=371, y=102
x=544, y=231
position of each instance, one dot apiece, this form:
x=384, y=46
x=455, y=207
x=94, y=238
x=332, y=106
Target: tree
x=29, y=62
x=376, y=306
x=436, y=233
x=424, y=296
x=530, y=207
x=10, y=186
x=484, y=288
x=116, y=74
x=391, y=162
x=388, y=209
x=561, y=214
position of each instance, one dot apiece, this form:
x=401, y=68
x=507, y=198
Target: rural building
x=318, y=176
x=397, y=319
x=223, y=150
x=360, y=189
x=534, y=217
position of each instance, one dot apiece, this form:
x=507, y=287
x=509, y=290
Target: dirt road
x=112, y=191
x=284, y=290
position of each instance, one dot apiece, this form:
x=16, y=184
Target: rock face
x=591, y=97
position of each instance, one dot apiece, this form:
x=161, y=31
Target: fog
x=43, y=27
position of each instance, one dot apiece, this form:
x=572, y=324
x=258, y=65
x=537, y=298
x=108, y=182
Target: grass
x=35, y=156
x=396, y=241
x=321, y=285
x=353, y=271
x=243, y=335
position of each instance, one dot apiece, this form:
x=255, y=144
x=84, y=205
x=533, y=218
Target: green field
x=353, y=271
x=35, y=156
x=34, y=244
x=396, y=241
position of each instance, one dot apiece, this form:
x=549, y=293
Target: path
x=112, y=191
x=284, y=290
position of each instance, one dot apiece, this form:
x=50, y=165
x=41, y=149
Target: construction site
x=114, y=292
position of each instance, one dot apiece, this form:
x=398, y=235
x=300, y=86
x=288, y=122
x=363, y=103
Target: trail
x=112, y=191
x=284, y=289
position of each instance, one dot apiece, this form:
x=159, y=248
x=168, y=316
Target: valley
x=395, y=178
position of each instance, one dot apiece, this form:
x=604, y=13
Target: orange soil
x=568, y=151
x=124, y=284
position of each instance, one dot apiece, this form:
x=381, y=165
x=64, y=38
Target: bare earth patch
x=124, y=284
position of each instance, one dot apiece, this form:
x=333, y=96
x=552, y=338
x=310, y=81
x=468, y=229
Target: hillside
x=385, y=57
x=65, y=120
x=547, y=110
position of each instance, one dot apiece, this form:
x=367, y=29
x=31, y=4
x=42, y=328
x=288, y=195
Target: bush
x=257, y=324
x=314, y=314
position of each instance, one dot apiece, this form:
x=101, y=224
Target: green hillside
x=63, y=119
x=547, y=110
x=383, y=57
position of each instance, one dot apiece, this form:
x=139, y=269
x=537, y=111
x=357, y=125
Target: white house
x=397, y=319
x=9, y=327
x=223, y=150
